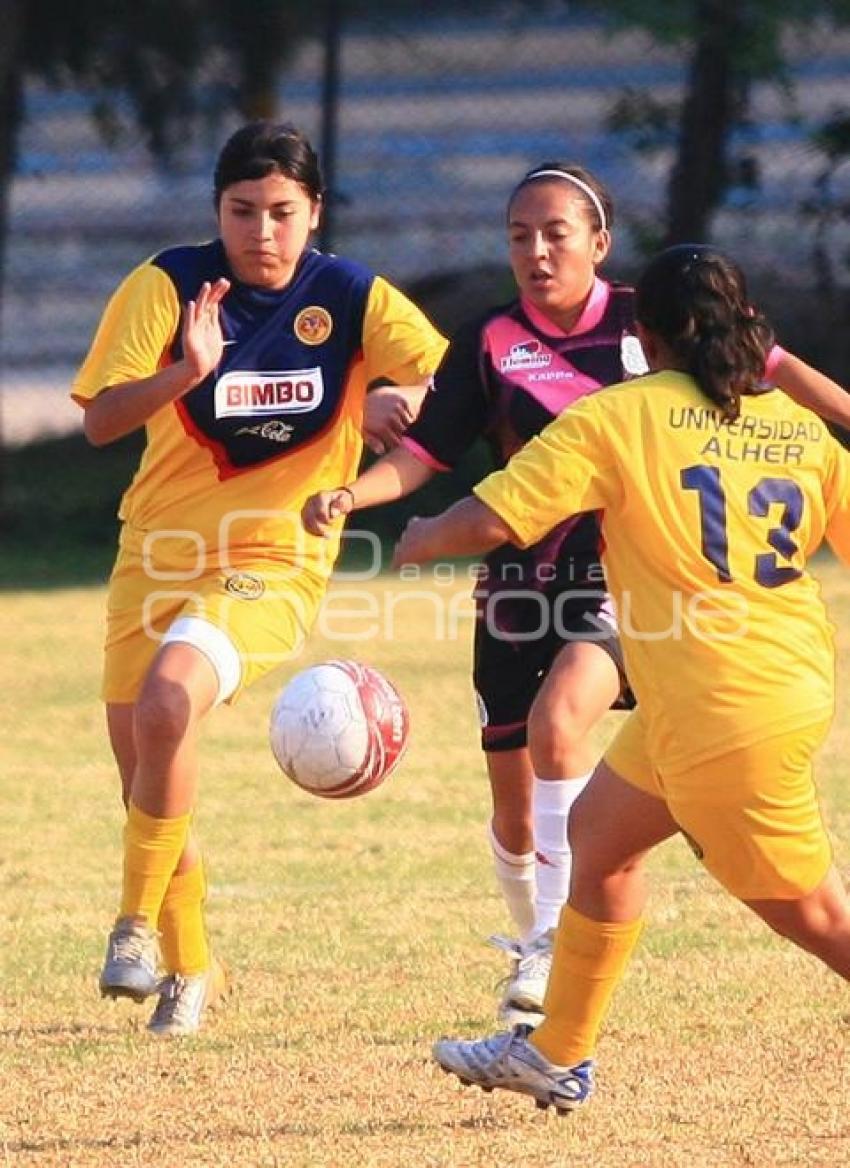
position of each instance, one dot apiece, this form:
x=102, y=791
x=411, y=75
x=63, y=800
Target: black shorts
x=516, y=642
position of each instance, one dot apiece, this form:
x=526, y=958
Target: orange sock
x=182, y=935
x=152, y=850
x=588, y=964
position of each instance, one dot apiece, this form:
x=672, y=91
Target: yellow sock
x=152, y=850
x=182, y=935
x=588, y=964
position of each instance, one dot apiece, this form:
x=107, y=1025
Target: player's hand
x=415, y=545
x=388, y=412
x=322, y=509
x=202, y=338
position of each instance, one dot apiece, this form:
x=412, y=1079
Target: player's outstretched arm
x=122, y=408
x=467, y=528
x=812, y=389
x=392, y=477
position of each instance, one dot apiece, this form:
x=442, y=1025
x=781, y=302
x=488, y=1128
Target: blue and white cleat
x=509, y=1062
x=132, y=959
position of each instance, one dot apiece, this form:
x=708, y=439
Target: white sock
x=515, y=875
x=552, y=800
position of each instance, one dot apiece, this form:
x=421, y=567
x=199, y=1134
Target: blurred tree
x=730, y=46
x=175, y=62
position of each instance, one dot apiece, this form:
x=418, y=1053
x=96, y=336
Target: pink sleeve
x=422, y=454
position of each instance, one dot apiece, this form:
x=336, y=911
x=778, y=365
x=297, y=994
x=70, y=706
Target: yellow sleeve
x=837, y=499
x=566, y=469
x=399, y=342
x=136, y=329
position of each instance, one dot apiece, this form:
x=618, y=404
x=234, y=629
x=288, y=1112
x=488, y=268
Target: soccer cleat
x=509, y=1062
x=522, y=1001
x=132, y=956
x=183, y=1001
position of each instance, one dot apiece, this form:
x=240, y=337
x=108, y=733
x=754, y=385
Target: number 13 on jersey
x=767, y=570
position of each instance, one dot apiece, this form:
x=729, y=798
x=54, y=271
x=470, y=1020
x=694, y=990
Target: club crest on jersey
x=256, y=395
x=245, y=585
x=528, y=354
x=313, y=325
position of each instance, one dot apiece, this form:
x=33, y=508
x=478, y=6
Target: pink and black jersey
x=505, y=378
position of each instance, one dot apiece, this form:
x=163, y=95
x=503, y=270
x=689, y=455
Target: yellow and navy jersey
x=707, y=527
x=230, y=464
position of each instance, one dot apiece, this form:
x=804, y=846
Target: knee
x=555, y=734
x=163, y=711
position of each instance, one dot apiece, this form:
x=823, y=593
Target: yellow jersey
x=707, y=528
x=228, y=467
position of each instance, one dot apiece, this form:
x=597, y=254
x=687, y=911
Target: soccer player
x=248, y=361
x=547, y=659
x=713, y=493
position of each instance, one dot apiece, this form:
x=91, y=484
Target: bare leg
x=511, y=779
x=180, y=688
x=613, y=827
x=580, y=687
x=120, y=719
x=818, y=922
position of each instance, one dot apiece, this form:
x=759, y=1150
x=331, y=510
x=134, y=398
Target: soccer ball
x=338, y=729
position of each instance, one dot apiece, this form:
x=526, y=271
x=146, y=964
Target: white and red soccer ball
x=339, y=729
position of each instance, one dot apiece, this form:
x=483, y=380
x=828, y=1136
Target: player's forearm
x=808, y=387
x=397, y=474
x=467, y=528
x=123, y=408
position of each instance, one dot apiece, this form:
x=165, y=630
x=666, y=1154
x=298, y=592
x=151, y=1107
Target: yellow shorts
x=247, y=621
x=751, y=816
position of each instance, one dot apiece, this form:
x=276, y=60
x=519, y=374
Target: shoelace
x=176, y=1001
x=538, y=955
x=536, y=961
x=131, y=945
x=507, y=944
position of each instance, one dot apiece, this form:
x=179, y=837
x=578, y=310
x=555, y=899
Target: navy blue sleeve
x=456, y=412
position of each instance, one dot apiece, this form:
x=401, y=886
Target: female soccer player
x=713, y=494
x=248, y=361
x=547, y=657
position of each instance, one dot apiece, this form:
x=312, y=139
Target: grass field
x=355, y=933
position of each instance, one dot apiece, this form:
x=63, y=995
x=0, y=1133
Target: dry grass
x=355, y=935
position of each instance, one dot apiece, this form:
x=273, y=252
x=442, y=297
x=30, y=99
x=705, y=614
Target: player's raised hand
x=202, y=336
x=322, y=509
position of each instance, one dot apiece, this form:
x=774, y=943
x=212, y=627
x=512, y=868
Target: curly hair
x=695, y=299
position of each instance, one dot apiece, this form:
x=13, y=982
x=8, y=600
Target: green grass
x=354, y=932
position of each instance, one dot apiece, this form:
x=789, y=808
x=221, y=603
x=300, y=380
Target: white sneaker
x=183, y=1001
x=132, y=957
x=522, y=1001
x=509, y=1062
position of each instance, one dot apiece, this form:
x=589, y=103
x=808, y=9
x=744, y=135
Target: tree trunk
x=713, y=99
x=11, y=74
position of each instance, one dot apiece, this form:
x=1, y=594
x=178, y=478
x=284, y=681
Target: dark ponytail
x=695, y=300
